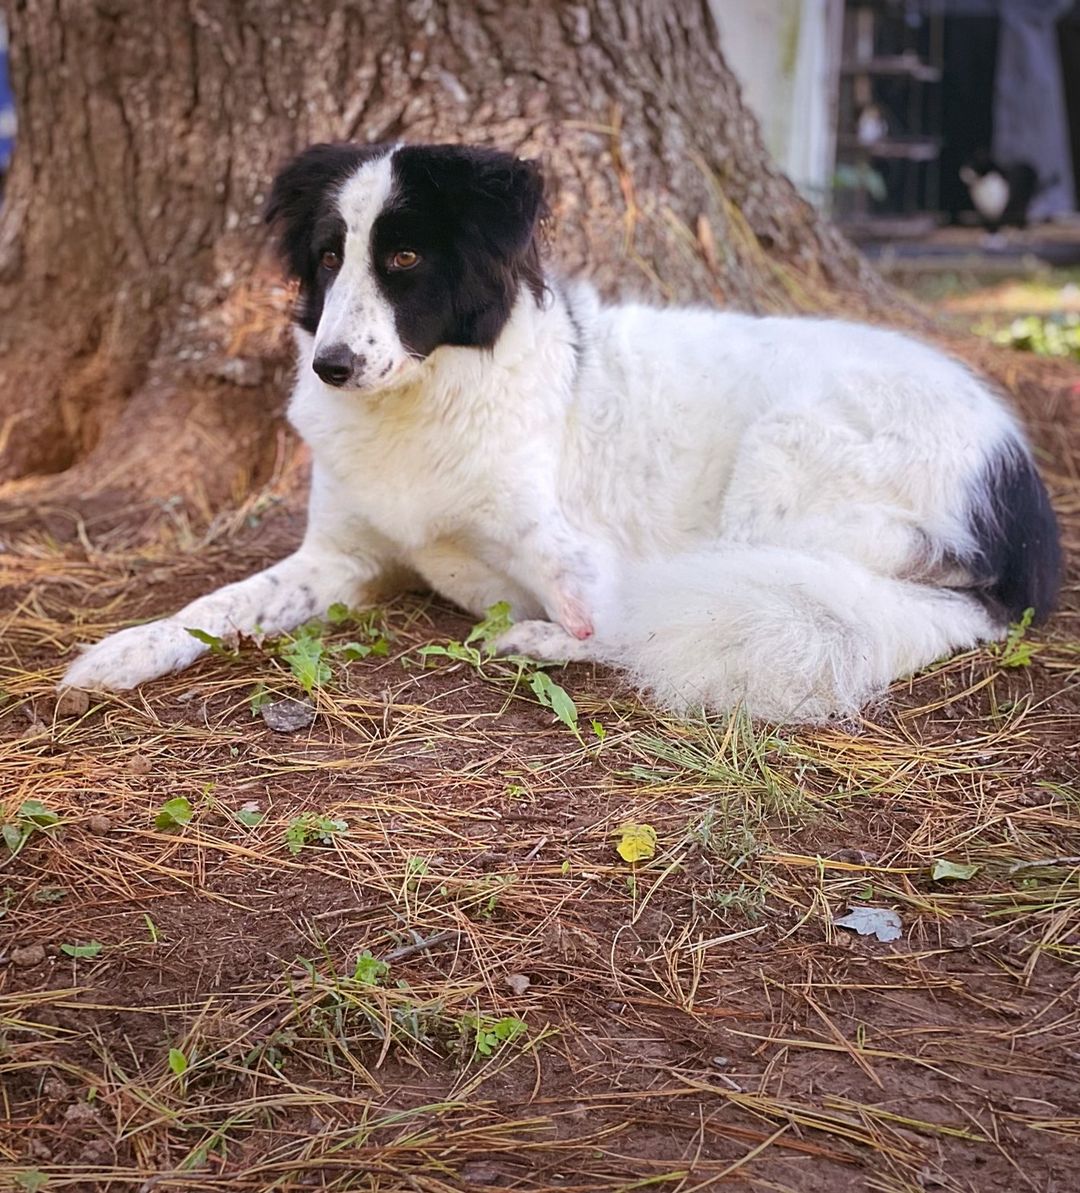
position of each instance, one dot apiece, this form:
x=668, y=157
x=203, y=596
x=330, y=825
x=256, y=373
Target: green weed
x=1016, y=651
x=488, y=1035
x=312, y=827
x=32, y=817
x=514, y=668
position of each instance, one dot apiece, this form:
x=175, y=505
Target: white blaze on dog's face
x=400, y=251
x=356, y=342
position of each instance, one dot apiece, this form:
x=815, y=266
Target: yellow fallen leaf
x=637, y=842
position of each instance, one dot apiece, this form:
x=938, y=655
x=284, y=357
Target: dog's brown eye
x=330, y=260
x=404, y=259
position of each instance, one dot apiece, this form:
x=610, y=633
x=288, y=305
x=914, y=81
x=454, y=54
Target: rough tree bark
x=141, y=340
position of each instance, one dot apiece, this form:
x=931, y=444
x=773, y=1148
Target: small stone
x=518, y=982
x=859, y=857
x=140, y=765
x=28, y=955
x=480, y=1172
x=80, y=1112
x=35, y=729
x=72, y=702
x=99, y=825
x=288, y=715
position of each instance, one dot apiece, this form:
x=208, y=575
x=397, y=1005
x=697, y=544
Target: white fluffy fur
x=731, y=508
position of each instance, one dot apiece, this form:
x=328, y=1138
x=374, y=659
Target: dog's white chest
x=414, y=483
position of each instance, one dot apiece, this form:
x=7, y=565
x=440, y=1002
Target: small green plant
x=32, y=817
x=746, y=899
x=457, y=652
x=516, y=667
x=496, y=621
x=416, y=868
x=369, y=970
x=348, y=1007
x=304, y=653
x=557, y=699
x=173, y=813
x=31, y=1180
x=178, y=1062
x=218, y=646
x=249, y=816
x=488, y=1035
x=486, y=895
x=274, y=1050
x=372, y=638
x=312, y=827
x=82, y=951
x=310, y=657
x=726, y=834
x=1016, y=651
x=49, y=894
x=1054, y=335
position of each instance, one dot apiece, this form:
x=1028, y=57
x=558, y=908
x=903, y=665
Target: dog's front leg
x=572, y=577
x=302, y=586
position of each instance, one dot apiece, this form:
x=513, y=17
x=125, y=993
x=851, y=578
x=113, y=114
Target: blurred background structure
x=874, y=108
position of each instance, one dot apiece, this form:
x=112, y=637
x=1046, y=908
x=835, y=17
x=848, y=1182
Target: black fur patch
x=1018, y=565
x=301, y=208
x=473, y=216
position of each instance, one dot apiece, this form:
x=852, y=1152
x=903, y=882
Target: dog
x=781, y=513
x=1001, y=195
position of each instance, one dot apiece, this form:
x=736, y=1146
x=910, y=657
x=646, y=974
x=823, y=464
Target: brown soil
x=693, y=1019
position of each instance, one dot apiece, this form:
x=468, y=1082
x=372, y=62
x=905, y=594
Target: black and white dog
x=786, y=512
x=1001, y=195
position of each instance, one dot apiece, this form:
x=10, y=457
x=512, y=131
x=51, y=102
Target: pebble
x=72, y=703
x=28, y=955
x=100, y=825
x=288, y=715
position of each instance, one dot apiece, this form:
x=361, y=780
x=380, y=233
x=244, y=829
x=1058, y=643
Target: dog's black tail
x=1017, y=564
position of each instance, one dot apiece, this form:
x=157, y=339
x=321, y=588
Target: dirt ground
x=464, y=985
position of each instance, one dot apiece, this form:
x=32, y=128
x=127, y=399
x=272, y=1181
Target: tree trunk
x=143, y=342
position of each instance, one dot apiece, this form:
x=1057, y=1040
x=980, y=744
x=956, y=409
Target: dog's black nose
x=336, y=364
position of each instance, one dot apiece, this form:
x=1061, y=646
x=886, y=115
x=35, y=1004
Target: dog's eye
x=330, y=260
x=404, y=259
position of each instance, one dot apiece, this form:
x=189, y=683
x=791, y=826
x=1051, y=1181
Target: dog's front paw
x=131, y=657
x=541, y=640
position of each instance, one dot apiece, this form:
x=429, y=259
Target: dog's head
x=400, y=250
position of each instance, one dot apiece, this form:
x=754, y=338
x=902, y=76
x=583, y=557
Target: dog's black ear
x=495, y=199
x=298, y=197
x=509, y=202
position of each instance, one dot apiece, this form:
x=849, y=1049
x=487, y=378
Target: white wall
x=785, y=56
